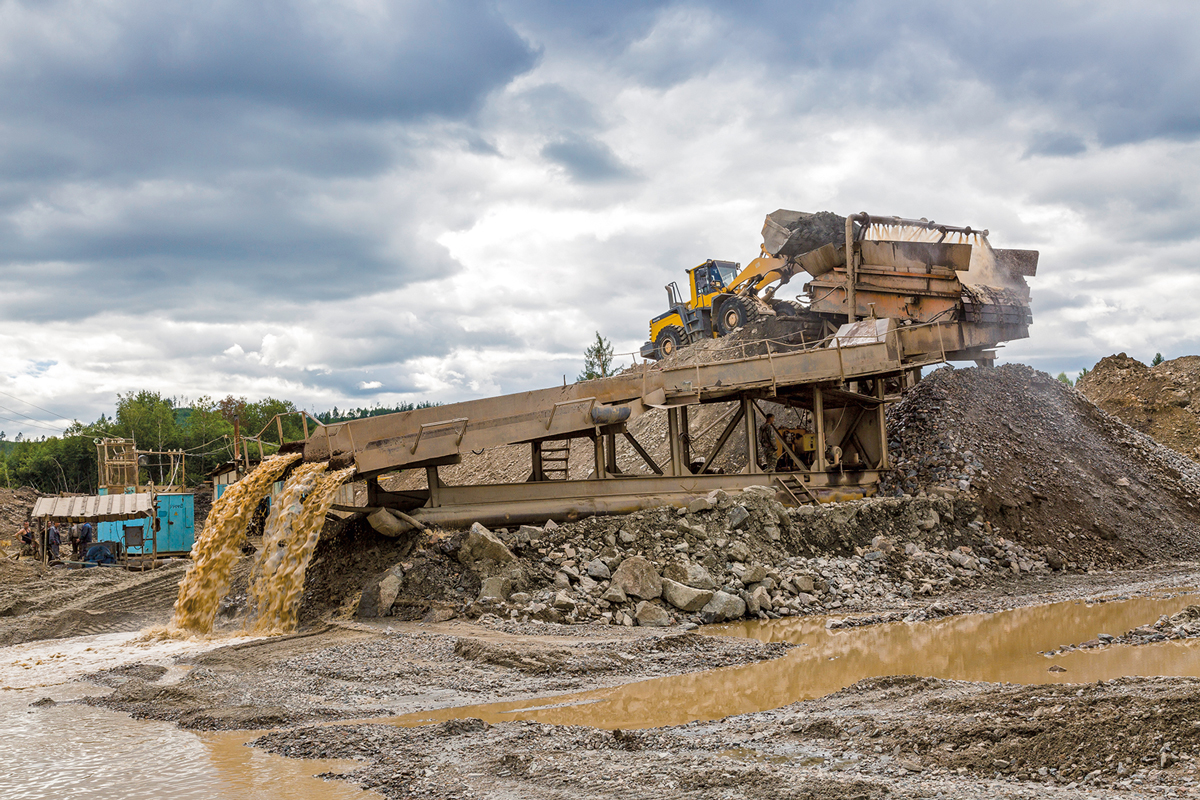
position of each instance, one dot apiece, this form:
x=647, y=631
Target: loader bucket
x=792, y=233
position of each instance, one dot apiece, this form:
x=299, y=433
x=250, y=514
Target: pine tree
x=1062, y=376
x=1158, y=359
x=598, y=360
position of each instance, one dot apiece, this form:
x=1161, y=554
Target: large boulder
x=483, y=545
x=694, y=575
x=495, y=588
x=649, y=615
x=637, y=577
x=683, y=597
x=723, y=606
x=379, y=595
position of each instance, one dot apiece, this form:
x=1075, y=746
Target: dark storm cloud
x=396, y=60
x=155, y=149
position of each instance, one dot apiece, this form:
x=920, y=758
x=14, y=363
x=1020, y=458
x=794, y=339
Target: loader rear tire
x=669, y=340
x=787, y=308
x=735, y=313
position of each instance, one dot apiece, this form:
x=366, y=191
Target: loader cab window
x=714, y=276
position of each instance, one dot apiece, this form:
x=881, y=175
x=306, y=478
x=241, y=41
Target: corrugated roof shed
x=103, y=508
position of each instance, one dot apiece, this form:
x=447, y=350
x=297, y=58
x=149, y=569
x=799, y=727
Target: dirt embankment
x=1048, y=467
x=1162, y=402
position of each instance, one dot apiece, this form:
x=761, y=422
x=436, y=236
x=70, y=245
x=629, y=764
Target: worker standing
x=767, y=452
x=53, y=541
x=85, y=538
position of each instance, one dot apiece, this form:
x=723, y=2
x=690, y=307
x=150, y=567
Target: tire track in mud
x=76, y=603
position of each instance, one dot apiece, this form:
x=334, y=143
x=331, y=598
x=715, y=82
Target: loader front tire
x=734, y=314
x=669, y=340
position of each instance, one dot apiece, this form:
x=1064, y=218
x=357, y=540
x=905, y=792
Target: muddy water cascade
x=1000, y=647
x=219, y=545
x=290, y=537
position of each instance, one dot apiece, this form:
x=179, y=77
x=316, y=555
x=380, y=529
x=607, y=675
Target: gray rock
x=563, y=602
x=699, y=504
x=723, y=606
x=483, y=545
x=738, y=515
x=929, y=521
x=586, y=584
x=626, y=537
x=738, y=551
x=763, y=598
x=806, y=598
x=496, y=588
x=694, y=575
x=520, y=598
x=562, y=580
x=803, y=583
x=379, y=595
x=613, y=594
x=684, y=597
x=598, y=570
x=649, y=615
x=754, y=574
x=637, y=577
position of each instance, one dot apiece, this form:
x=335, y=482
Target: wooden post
x=279, y=426
x=610, y=458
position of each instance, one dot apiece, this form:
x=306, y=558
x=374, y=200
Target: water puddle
x=1000, y=647
x=70, y=750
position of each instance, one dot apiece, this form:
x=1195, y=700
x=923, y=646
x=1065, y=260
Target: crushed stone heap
x=1048, y=467
x=1162, y=402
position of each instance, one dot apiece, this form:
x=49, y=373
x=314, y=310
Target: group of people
x=79, y=537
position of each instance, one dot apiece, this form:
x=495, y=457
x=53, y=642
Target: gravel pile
x=1046, y=466
x=1161, y=401
x=724, y=557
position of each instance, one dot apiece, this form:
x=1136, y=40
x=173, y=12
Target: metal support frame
x=751, y=429
x=734, y=421
x=818, y=401
x=641, y=451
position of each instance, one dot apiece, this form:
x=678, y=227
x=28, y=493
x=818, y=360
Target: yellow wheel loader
x=914, y=271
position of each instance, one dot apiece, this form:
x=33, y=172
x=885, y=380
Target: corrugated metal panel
x=105, y=508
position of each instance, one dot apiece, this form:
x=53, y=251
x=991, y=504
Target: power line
x=35, y=405
x=26, y=416
x=24, y=423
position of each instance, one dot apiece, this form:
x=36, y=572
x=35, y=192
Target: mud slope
x=1049, y=466
x=1162, y=402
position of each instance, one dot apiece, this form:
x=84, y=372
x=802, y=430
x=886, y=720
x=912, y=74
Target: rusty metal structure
x=888, y=305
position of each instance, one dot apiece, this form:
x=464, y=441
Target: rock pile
x=724, y=557
x=1184, y=624
x=1047, y=467
x=1161, y=401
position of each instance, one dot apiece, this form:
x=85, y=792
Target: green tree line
x=203, y=428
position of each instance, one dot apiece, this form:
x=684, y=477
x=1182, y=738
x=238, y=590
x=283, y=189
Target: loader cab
x=711, y=278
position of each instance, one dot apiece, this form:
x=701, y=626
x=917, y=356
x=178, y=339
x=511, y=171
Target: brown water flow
x=1001, y=647
x=289, y=540
x=219, y=544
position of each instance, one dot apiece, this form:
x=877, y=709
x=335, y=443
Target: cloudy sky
x=344, y=203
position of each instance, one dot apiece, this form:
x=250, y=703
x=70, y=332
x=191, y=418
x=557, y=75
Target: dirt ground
x=883, y=737
x=1009, y=491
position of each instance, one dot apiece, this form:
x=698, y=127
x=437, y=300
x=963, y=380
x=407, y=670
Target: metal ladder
x=795, y=487
x=554, y=460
